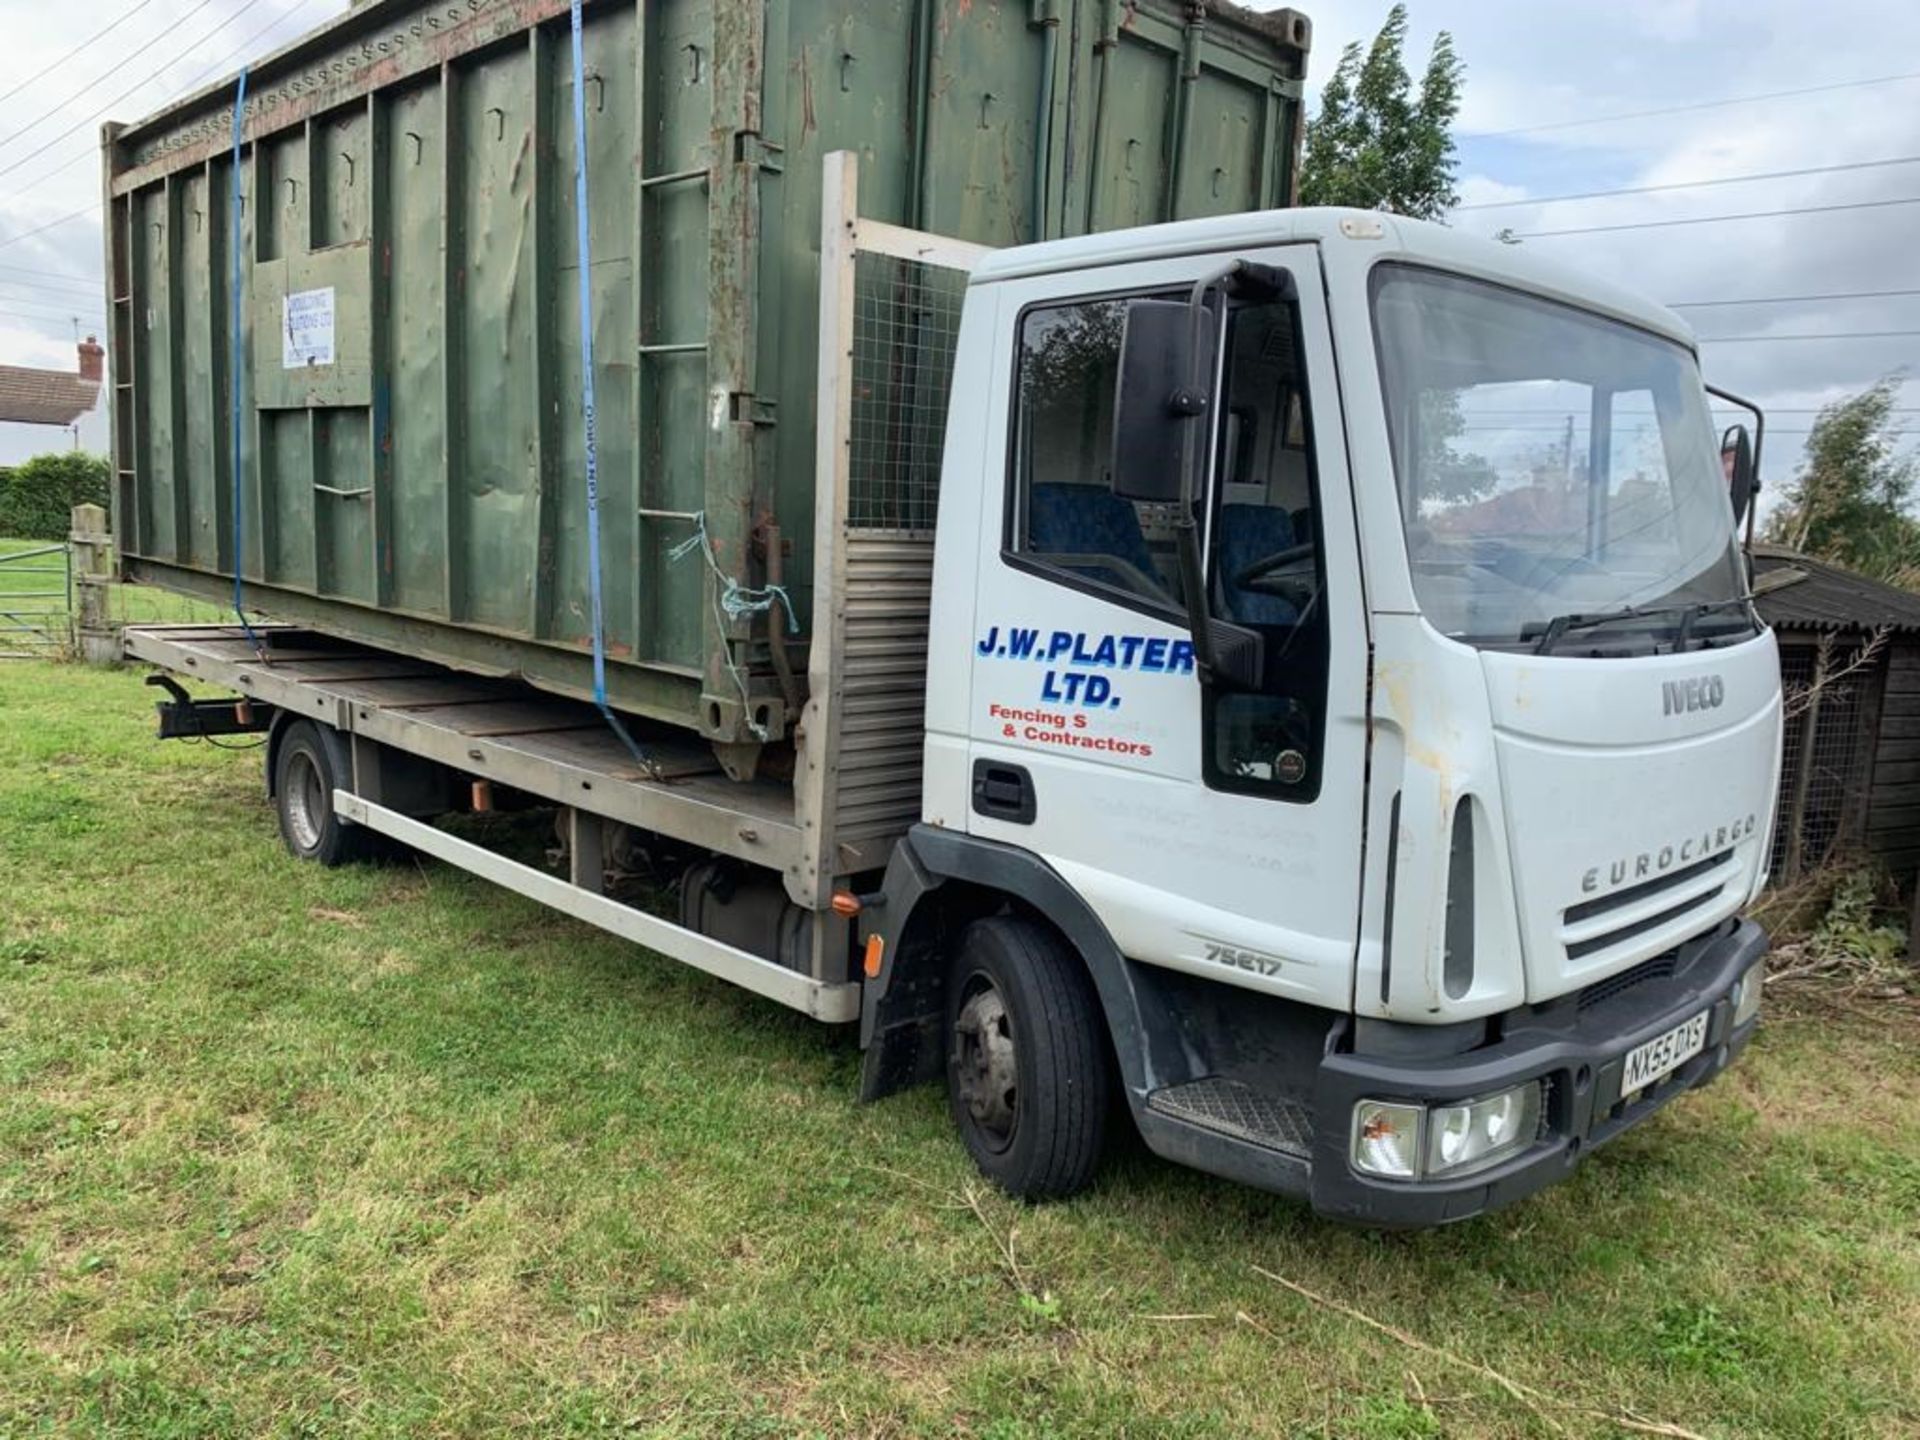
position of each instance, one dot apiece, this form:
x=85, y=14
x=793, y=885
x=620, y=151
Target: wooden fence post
x=95, y=628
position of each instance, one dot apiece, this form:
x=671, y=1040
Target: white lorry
x=1347, y=742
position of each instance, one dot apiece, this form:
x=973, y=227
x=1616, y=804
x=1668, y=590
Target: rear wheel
x=1027, y=1076
x=307, y=766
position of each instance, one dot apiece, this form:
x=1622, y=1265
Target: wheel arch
x=338, y=750
x=937, y=882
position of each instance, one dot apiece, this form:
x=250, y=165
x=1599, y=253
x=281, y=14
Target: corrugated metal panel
x=1796, y=591
x=888, y=593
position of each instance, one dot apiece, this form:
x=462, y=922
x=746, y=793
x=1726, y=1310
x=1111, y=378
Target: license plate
x=1663, y=1054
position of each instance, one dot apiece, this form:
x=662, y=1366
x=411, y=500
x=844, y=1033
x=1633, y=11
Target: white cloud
x=1535, y=66
x=1477, y=189
x=162, y=51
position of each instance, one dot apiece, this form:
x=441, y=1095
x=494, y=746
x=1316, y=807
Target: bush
x=37, y=496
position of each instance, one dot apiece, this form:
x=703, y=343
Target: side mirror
x=1154, y=404
x=1737, y=465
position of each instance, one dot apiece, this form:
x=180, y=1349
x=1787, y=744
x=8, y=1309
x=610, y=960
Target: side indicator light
x=871, y=964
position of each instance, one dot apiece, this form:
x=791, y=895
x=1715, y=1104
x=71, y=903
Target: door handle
x=1003, y=792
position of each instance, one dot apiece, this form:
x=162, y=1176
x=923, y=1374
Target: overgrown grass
x=384, y=1151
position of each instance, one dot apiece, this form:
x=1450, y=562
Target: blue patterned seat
x=1086, y=520
x=1249, y=533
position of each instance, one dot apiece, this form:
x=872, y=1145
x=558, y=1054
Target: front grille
x=1580, y=949
x=1660, y=967
x=1587, y=909
x=1590, y=910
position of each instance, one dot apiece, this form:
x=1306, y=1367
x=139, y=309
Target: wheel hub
x=988, y=1073
x=306, y=802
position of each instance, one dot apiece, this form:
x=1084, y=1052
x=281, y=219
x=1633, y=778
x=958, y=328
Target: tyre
x=307, y=765
x=1028, y=1082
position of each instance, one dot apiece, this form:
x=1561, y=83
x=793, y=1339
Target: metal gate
x=36, y=603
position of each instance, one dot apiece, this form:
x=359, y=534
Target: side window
x=1063, y=513
x=1266, y=570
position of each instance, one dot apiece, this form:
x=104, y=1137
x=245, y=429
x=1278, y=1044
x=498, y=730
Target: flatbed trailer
x=405, y=722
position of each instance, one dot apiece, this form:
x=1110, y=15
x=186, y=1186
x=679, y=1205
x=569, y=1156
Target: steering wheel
x=1260, y=576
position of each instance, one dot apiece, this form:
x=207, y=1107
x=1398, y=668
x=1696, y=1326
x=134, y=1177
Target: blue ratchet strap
x=236, y=360
x=585, y=257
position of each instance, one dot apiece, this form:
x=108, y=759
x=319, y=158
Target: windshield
x=1552, y=465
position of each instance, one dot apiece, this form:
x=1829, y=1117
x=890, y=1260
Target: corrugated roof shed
x=1797, y=592
x=51, y=397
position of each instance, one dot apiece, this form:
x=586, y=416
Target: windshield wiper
x=1561, y=625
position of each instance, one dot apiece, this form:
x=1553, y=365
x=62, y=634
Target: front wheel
x=1027, y=1074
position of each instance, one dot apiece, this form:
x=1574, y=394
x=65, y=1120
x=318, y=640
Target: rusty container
x=412, y=458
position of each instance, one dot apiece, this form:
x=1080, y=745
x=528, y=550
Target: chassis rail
x=556, y=749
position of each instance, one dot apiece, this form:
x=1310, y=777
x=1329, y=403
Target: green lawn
x=383, y=1151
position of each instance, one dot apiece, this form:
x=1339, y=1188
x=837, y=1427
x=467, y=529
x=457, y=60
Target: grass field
x=382, y=1151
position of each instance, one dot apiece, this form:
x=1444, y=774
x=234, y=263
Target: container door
x=1213, y=832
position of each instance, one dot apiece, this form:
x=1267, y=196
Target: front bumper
x=1577, y=1050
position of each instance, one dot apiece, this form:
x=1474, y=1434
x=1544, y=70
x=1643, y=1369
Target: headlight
x=1746, y=995
x=1386, y=1139
x=1462, y=1138
x=1406, y=1142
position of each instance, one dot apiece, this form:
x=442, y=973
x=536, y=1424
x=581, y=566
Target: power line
x=64, y=311
x=49, y=274
x=87, y=210
x=97, y=35
x=245, y=46
x=1693, y=184
x=114, y=68
x=57, y=288
x=1790, y=299
x=50, y=225
x=1696, y=105
x=44, y=320
x=1835, y=335
x=1576, y=411
x=52, y=306
x=1703, y=219
x=168, y=65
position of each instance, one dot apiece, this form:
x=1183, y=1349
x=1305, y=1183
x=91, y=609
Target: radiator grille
x=1660, y=967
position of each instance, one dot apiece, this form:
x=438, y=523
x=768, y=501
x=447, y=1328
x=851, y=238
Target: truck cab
x=1349, y=741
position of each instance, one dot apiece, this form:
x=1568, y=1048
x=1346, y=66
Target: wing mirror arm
x=1740, y=460
x=1163, y=412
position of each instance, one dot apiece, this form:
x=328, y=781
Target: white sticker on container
x=306, y=329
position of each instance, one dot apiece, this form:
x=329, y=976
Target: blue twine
x=736, y=601
x=585, y=258
x=236, y=360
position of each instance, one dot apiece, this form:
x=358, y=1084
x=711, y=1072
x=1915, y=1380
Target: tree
x=1848, y=502
x=1374, y=144
x=38, y=495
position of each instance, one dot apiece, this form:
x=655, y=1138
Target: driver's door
x=1215, y=833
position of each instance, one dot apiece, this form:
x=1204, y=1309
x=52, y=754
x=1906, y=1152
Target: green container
x=412, y=450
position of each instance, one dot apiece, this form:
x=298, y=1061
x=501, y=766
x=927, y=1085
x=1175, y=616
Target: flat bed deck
x=501, y=729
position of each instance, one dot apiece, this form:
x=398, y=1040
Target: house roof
x=1797, y=592
x=44, y=397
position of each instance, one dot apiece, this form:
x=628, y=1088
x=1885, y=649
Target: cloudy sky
x=1544, y=87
